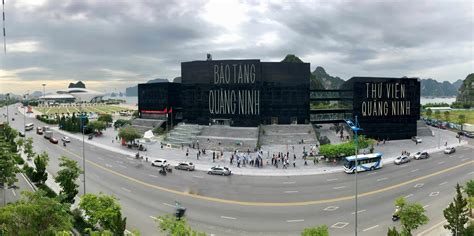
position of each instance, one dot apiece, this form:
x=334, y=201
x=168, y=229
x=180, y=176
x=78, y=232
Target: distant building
x=82, y=94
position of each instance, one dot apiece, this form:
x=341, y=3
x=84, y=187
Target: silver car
x=421, y=155
x=401, y=159
x=449, y=150
x=219, y=170
x=189, y=166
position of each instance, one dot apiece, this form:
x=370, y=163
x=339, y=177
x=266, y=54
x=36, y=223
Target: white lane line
x=339, y=187
x=228, y=217
x=289, y=182
x=382, y=179
x=13, y=191
x=434, y=194
x=332, y=179
x=292, y=221
x=122, y=166
x=372, y=173
x=443, y=183
x=197, y=176
x=154, y=218
x=108, y=165
x=153, y=176
x=419, y=185
x=425, y=206
x=291, y=191
x=470, y=173
x=126, y=189
x=373, y=227
x=331, y=208
x=339, y=225
x=167, y=204
x=441, y=162
x=409, y=195
x=415, y=170
x=353, y=213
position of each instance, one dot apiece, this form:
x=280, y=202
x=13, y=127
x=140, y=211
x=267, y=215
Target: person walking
x=213, y=156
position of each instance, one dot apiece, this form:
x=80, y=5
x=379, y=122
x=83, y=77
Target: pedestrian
x=294, y=157
x=294, y=164
x=213, y=156
x=231, y=158
x=112, y=141
x=446, y=144
x=314, y=161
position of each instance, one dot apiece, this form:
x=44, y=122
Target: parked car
x=449, y=150
x=39, y=130
x=416, y=139
x=401, y=159
x=53, y=140
x=21, y=134
x=189, y=166
x=219, y=170
x=66, y=139
x=421, y=155
x=159, y=162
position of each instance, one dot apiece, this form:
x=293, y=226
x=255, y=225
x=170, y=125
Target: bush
x=158, y=130
x=49, y=192
x=121, y=122
x=47, y=120
x=79, y=223
x=344, y=149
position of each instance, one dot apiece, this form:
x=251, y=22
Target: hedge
x=344, y=149
x=47, y=120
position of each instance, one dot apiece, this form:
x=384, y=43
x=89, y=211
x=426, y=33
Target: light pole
x=44, y=101
x=83, y=127
x=24, y=112
x=355, y=128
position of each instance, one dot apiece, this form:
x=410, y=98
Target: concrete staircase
x=287, y=134
x=143, y=125
x=227, y=138
x=422, y=129
x=183, y=134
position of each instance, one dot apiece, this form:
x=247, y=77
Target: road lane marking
x=432, y=227
x=13, y=191
x=470, y=173
x=197, y=176
x=372, y=173
x=228, y=217
x=373, y=227
x=425, y=206
x=434, y=194
x=292, y=221
x=465, y=159
x=332, y=179
x=268, y=204
x=291, y=191
x=339, y=187
x=122, y=166
x=156, y=219
x=353, y=213
x=126, y=189
x=415, y=170
x=331, y=208
x=289, y=182
x=419, y=185
x=108, y=165
x=154, y=176
x=443, y=183
x=339, y=225
x=382, y=179
x=167, y=204
x=441, y=162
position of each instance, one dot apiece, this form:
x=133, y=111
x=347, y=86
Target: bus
x=29, y=126
x=364, y=162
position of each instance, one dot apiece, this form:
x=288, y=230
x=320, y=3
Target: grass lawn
x=95, y=109
x=453, y=117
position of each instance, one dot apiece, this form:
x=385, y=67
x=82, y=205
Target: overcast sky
x=115, y=44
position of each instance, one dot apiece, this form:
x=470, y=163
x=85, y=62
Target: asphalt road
x=238, y=205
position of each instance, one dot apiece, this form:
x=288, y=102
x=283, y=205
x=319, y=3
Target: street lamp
x=83, y=127
x=355, y=128
x=24, y=112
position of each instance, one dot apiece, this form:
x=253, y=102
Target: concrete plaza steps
x=226, y=138
x=143, y=125
x=183, y=134
x=287, y=134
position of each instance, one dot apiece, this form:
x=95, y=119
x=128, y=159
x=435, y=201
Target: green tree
x=456, y=213
x=20, y=142
x=97, y=126
x=429, y=113
x=437, y=114
x=107, y=118
x=39, y=174
x=103, y=210
x=135, y=114
x=66, y=178
x=35, y=214
x=8, y=171
x=321, y=230
x=412, y=215
x=469, y=189
x=447, y=115
x=462, y=118
x=28, y=148
x=129, y=134
x=393, y=232
x=171, y=226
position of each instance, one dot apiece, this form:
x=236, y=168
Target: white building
x=83, y=95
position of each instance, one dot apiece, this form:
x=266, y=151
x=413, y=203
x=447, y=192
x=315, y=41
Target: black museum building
x=250, y=92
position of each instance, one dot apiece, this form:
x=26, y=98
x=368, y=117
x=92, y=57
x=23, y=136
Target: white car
x=219, y=170
x=66, y=139
x=159, y=163
x=449, y=150
x=401, y=159
x=421, y=155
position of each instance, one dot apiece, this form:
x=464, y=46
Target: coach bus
x=29, y=126
x=364, y=162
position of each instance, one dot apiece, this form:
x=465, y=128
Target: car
x=401, y=159
x=416, y=139
x=219, y=170
x=39, y=130
x=159, y=162
x=189, y=166
x=21, y=134
x=53, y=140
x=449, y=150
x=66, y=139
x=421, y=155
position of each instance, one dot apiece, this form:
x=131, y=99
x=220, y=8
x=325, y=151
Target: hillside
x=133, y=91
x=466, y=92
x=313, y=82
x=328, y=81
x=433, y=88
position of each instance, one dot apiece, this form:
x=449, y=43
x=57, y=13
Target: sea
x=423, y=100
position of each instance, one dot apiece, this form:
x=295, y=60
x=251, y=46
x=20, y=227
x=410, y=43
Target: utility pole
x=355, y=128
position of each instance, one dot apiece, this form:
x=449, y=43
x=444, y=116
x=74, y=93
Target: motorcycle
x=395, y=215
x=168, y=168
x=64, y=144
x=162, y=172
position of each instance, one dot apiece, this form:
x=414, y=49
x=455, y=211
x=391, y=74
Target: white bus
x=29, y=126
x=364, y=162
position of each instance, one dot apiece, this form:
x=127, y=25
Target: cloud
x=120, y=42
